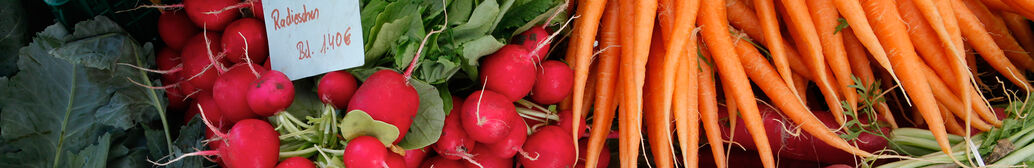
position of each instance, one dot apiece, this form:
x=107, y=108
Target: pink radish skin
x=196, y=58
x=508, y=147
x=394, y=160
x=487, y=116
x=250, y=143
x=388, y=97
x=415, y=156
x=271, y=93
x=336, y=88
x=256, y=9
x=185, y=88
x=365, y=151
x=440, y=162
x=175, y=28
x=230, y=91
x=553, y=83
x=485, y=158
x=603, y=160
x=177, y=103
x=296, y=162
x=210, y=108
x=454, y=143
x=254, y=36
x=548, y=147
x=267, y=64
x=198, y=11
x=531, y=38
x=167, y=60
x=508, y=72
x=565, y=122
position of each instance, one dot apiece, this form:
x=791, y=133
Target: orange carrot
x=920, y=32
x=861, y=68
x=825, y=15
x=950, y=123
x=852, y=11
x=742, y=17
x=891, y=30
x=685, y=105
x=766, y=78
x=949, y=101
x=606, y=83
x=802, y=86
x=997, y=4
x=714, y=21
x=1000, y=32
x=589, y=13
x=830, y=94
x=709, y=109
x=658, y=115
x=683, y=95
x=770, y=24
x=985, y=45
x=1018, y=7
x=1020, y=29
x=638, y=28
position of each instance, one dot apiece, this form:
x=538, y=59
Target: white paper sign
x=311, y=37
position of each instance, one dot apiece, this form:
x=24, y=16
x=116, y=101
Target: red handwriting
x=303, y=50
x=334, y=40
x=293, y=18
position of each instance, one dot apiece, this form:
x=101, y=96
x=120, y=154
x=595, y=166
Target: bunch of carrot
x=661, y=63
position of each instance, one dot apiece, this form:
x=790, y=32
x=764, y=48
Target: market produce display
x=531, y=83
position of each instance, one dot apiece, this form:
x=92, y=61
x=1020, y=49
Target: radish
x=440, y=162
x=175, y=28
x=365, y=151
x=206, y=104
x=548, y=147
x=394, y=160
x=177, y=102
x=230, y=91
x=211, y=14
x=256, y=9
x=296, y=162
x=185, y=88
x=508, y=147
x=388, y=97
x=553, y=83
x=270, y=93
x=197, y=63
x=508, y=72
x=168, y=59
x=565, y=122
x=250, y=143
x=336, y=88
x=483, y=158
x=267, y=64
x=603, y=159
x=454, y=143
x=245, y=34
x=487, y=116
x=415, y=156
x=531, y=39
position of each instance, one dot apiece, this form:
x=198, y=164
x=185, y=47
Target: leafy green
x=357, y=123
x=523, y=14
x=189, y=140
x=843, y=24
x=13, y=35
x=428, y=123
x=69, y=103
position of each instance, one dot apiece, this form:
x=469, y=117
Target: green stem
x=302, y=152
x=64, y=123
x=157, y=105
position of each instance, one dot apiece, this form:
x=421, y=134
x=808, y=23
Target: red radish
x=270, y=93
x=245, y=33
x=440, y=162
x=215, y=144
x=553, y=83
x=839, y=166
x=177, y=102
x=211, y=14
x=454, y=143
x=394, y=160
x=603, y=159
x=531, y=38
x=415, y=156
x=484, y=158
x=168, y=59
x=336, y=88
x=197, y=60
x=267, y=64
x=487, y=116
x=388, y=97
x=508, y=147
x=365, y=151
x=250, y=143
x=256, y=9
x=230, y=91
x=205, y=103
x=548, y=147
x=296, y=162
x=175, y=28
x=185, y=88
x=565, y=122
x=508, y=72
x=803, y=146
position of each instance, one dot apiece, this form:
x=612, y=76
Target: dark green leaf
x=843, y=24
x=524, y=14
x=428, y=123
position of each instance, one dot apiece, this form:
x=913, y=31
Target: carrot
x=582, y=39
x=825, y=15
x=709, y=109
x=950, y=123
x=770, y=25
x=637, y=30
x=1000, y=32
x=606, y=83
x=743, y=17
x=997, y=4
x=920, y=32
x=766, y=78
x=658, y=115
x=948, y=100
x=830, y=94
x=984, y=44
x=801, y=83
x=1020, y=30
x=852, y=11
x=1018, y=7
x=891, y=32
x=944, y=25
x=861, y=68
x=590, y=87
x=684, y=94
x=719, y=42
x=685, y=104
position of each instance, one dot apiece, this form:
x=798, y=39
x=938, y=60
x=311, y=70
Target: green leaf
x=538, y=20
x=189, y=140
x=524, y=14
x=474, y=50
x=306, y=102
x=368, y=17
x=386, y=37
x=479, y=24
x=843, y=24
x=428, y=123
x=459, y=11
x=69, y=94
x=438, y=71
x=13, y=34
x=357, y=123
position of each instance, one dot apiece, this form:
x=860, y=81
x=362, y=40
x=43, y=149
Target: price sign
x=311, y=37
